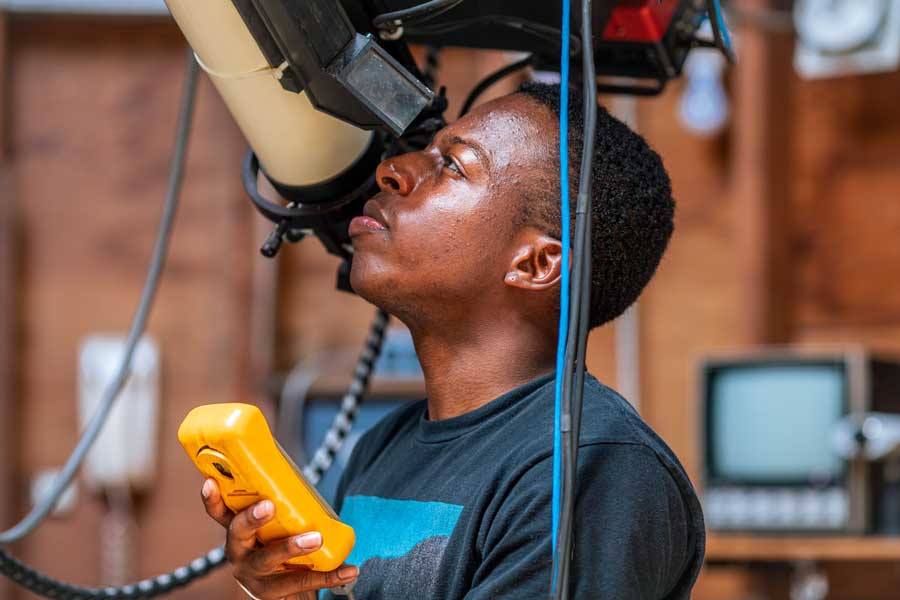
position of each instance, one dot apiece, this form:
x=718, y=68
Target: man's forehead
x=511, y=126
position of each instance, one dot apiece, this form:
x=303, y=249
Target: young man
x=450, y=497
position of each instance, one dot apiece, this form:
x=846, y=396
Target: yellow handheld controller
x=232, y=444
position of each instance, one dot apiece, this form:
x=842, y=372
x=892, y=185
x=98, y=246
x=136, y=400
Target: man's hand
x=261, y=569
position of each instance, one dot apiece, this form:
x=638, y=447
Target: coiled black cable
x=46, y=586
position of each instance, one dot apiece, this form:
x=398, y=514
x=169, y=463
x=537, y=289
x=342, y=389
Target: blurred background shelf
x=744, y=548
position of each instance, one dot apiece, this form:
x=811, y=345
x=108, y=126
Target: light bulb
x=704, y=106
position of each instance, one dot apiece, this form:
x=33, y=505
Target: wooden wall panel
x=8, y=310
x=9, y=328
x=94, y=105
x=760, y=165
x=845, y=210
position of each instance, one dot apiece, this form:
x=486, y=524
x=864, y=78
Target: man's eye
x=449, y=164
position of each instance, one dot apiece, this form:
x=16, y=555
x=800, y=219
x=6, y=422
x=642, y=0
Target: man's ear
x=536, y=265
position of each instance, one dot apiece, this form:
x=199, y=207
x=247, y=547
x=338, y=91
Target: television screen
x=773, y=423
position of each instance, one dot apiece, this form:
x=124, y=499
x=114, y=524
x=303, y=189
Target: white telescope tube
x=296, y=144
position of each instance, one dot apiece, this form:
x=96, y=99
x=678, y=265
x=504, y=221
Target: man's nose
x=397, y=174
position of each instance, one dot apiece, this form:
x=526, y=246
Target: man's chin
x=366, y=281
x=384, y=289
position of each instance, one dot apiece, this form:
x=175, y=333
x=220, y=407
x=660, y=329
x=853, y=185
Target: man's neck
x=466, y=371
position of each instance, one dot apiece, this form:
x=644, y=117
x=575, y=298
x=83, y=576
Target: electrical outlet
x=125, y=452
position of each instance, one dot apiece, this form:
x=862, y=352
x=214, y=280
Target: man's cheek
x=435, y=252
x=417, y=240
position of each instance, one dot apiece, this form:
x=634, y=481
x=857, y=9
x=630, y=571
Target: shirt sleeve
x=631, y=531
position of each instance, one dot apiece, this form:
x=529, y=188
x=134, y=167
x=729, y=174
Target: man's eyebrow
x=475, y=146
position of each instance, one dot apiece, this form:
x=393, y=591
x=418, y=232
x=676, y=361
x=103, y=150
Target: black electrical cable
x=415, y=14
x=584, y=207
x=720, y=37
x=43, y=585
x=491, y=79
x=579, y=322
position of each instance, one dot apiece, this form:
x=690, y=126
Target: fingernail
x=263, y=509
x=348, y=572
x=309, y=541
x=207, y=488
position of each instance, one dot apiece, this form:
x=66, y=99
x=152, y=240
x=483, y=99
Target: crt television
x=769, y=420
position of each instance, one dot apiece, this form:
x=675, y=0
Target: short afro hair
x=632, y=205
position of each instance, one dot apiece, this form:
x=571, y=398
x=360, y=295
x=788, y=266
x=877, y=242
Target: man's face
x=438, y=237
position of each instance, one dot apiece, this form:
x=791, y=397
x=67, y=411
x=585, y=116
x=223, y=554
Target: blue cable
x=564, y=285
x=722, y=27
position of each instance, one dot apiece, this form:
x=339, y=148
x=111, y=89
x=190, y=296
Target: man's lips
x=373, y=209
x=371, y=220
x=361, y=225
